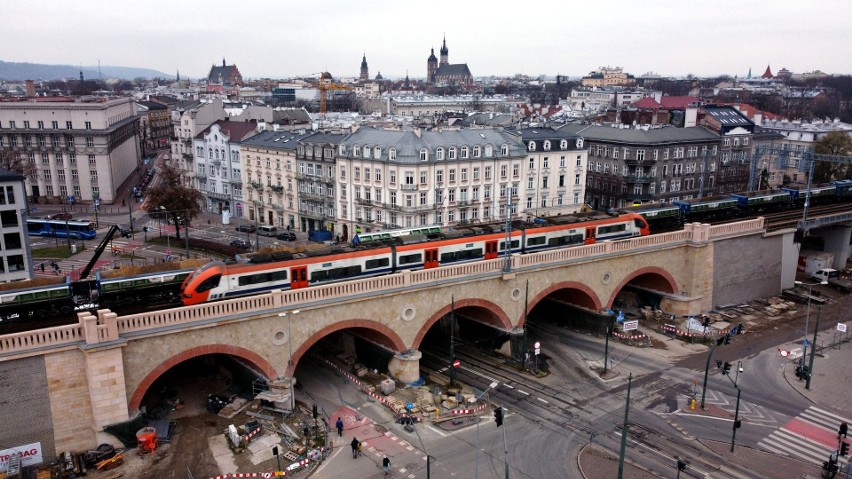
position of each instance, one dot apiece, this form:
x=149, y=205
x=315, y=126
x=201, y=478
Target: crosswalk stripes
x=807, y=437
x=752, y=413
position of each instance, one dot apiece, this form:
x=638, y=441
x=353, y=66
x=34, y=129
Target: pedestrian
x=41, y=266
x=360, y=444
x=339, y=425
x=386, y=464
x=354, y=445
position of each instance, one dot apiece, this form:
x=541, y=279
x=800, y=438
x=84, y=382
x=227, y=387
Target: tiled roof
x=458, y=69
x=236, y=130
x=279, y=140
x=647, y=103
x=677, y=102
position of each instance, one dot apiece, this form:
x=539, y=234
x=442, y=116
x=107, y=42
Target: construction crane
x=326, y=82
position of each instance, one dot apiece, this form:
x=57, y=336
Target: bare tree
x=13, y=161
x=172, y=196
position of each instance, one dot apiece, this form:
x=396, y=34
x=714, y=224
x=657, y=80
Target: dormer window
x=531, y=146
x=477, y=151
x=439, y=154
x=464, y=152
x=392, y=154
x=356, y=151
x=377, y=152
x=579, y=142
x=546, y=145
x=489, y=151
x=342, y=150
x=452, y=152
x=504, y=150
x=424, y=154
x=366, y=152
x=563, y=145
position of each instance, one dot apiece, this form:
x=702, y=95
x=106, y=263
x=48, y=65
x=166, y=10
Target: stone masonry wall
x=70, y=403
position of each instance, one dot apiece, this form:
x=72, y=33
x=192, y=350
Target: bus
x=61, y=228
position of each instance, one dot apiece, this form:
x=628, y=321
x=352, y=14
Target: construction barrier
x=673, y=329
x=264, y=475
x=628, y=336
x=250, y=435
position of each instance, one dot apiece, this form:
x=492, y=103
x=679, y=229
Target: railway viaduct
x=61, y=386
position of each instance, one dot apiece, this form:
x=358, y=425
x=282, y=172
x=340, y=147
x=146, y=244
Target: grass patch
x=53, y=252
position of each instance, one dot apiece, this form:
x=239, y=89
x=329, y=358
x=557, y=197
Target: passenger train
x=399, y=251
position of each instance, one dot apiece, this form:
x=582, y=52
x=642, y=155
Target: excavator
x=102, y=246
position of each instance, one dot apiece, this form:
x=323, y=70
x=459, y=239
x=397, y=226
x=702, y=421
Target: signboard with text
x=30, y=455
x=631, y=325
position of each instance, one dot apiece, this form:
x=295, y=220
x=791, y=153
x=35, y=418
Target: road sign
x=841, y=327
x=806, y=343
x=409, y=406
x=784, y=353
x=620, y=317
x=537, y=348
x=631, y=325
x=456, y=364
x=239, y=206
x=70, y=199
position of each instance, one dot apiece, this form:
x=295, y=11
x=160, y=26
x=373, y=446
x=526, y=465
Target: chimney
x=691, y=116
x=30, y=88
x=417, y=132
x=758, y=118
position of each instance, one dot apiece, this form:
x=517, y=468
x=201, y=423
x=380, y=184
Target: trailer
x=760, y=199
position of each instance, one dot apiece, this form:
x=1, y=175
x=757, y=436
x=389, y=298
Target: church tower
x=365, y=72
x=431, y=67
x=445, y=54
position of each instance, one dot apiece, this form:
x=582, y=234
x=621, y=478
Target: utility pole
x=130, y=215
x=813, y=350
x=624, y=430
x=707, y=368
x=609, y=330
x=507, y=246
x=737, y=422
x=524, y=342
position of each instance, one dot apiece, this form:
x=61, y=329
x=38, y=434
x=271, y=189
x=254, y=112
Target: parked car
x=286, y=236
x=247, y=228
x=60, y=216
x=240, y=243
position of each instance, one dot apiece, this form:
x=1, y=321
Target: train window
x=411, y=258
x=273, y=276
x=208, y=283
x=602, y=230
x=336, y=273
x=376, y=263
x=565, y=240
x=515, y=244
x=461, y=255
x=448, y=257
x=538, y=240
x=640, y=223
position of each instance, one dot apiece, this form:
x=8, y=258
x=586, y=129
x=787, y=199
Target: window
x=26, y=125
x=452, y=175
x=88, y=125
x=465, y=152
x=616, y=152
x=74, y=174
x=409, y=177
x=45, y=159
x=516, y=170
x=393, y=177
x=529, y=183
x=439, y=176
x=439, y=154
x=424, y=154
x=531, y=146
x=46, y=174
x=546, y=145
x=68, y=125
x=640, y=155
x=544, y=182
x=476, y=151
x=356, y=150
x=93, y=176
x=392, y=154
x=504, y=150
x=452, y=154
x=504, y=170
x=92, y=160
x=366, y=152
x=422, y=177
x=532, y=163
x=489, y=150
x=487, y=172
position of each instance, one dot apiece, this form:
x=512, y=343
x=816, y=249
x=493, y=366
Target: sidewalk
x=831, y=374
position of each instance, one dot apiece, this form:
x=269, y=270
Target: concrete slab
x=222, y=453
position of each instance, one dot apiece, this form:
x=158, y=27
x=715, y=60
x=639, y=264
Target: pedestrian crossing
x=811, y=436
x=749, y=412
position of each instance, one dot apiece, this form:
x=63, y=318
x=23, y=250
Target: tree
x=837, y=143
x=173, y=196
x=14, y=162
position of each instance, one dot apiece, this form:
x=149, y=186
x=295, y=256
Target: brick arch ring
x=255, y=359
x=462, y=303
x=589, y=292
x=395, y=341
x=672, y=282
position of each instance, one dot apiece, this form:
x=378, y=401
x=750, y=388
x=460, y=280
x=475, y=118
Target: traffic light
x=740, y=329
x=706, y=322
x=146, y=229
x=726, y=368
x=125, y=234
x=843, y=429
x=681, y=465
x=498, y=416
x=718, y=364
x=738, y=424
x=316, y=412
x=727, y=339
x=844, y=448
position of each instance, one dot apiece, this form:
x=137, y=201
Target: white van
x=265, y=230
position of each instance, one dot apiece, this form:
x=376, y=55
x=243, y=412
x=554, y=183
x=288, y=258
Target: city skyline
x=282, y=40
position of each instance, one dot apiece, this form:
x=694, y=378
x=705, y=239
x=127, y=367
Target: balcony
x=277, y=189
x=362, y=201
x=200, y=174
x=217, y=196
x=643, y=196
x=408, y=187
x=646, y=161
x=256, y=185
x=236, y=181
x=638, y=179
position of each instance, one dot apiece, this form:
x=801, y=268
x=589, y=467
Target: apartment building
x=156, y=125
x=189, y=118
x=81, y=149
x=218, y=170
x=316, y=158
x=15, y=255
x=635, y=165
x=797, y=138
x=554, y=171
x=270, y=193
x=400, y=179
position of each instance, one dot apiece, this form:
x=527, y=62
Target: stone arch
x=498, y=312
x=254, y=358
x=382, y=334
x=652, y=277
x=574, y=292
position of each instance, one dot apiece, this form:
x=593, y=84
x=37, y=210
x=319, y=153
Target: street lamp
x=290, y=356
x=168, y=239
x=490, y=387
x=805, y=333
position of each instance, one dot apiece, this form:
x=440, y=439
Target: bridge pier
x=837, y=241
x=405, y=366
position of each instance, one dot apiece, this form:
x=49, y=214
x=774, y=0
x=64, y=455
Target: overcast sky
x=284, y=38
